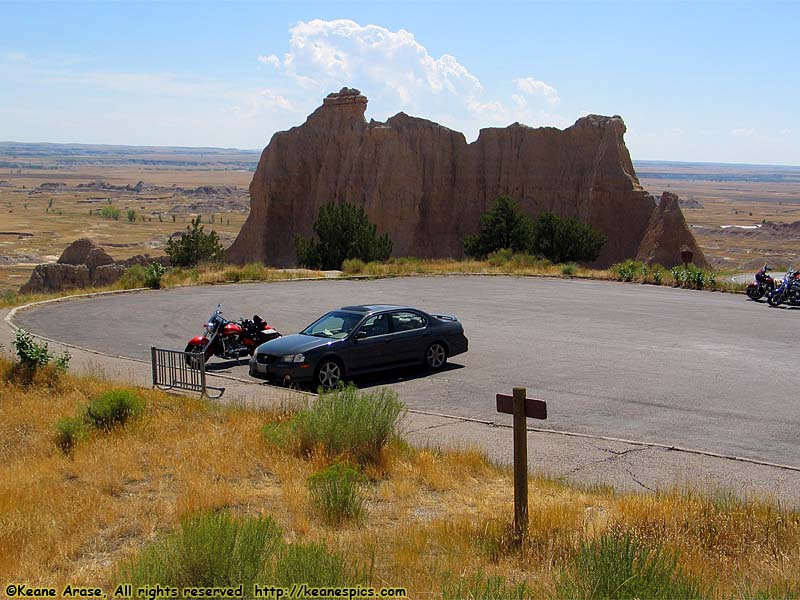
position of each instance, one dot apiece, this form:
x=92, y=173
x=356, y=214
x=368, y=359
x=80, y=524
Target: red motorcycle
x=230, y=339
x=763, y=284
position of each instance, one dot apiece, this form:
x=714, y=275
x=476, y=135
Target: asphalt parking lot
x=701, y=370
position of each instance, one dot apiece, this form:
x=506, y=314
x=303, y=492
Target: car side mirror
x=360, y=335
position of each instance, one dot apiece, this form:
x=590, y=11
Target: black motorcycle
x=762, y=285
x=787, y=291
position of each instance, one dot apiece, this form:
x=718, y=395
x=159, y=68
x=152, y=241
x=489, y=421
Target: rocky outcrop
x=667, y=235
x=83, y=264
x=426, y=187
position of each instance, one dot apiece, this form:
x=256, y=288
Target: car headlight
x=290, y=358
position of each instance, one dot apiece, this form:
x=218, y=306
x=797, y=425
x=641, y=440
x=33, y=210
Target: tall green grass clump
x=479, y=585
x=312, y=564
x=133, y=277
x=349, y=423
x=569, y=269
x=353, y=266
x=114, y=408
x=336, y=494
x=208, y=550
x=618, y=566
x=69, y=431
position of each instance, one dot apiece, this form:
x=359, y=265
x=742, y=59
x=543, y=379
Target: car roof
x=373, y=308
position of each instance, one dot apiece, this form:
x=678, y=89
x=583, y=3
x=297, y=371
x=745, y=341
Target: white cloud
x=534, y=87
x=330, y=54
x=397, y=72
x=269, y=59
x=743, y=132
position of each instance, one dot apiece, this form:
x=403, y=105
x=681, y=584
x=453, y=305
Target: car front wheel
x=329, y=374
x=435, y=356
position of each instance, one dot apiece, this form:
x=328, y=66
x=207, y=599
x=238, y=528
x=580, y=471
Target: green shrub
x=69, y=431
x=692, y=277
x=336, y=494
x=110, y=212
x=114, y=408
x=569, y=269
x=353, y=266
x=133, y=277
x=341, y=231
x=208, y=550
x=131, y=214
x=312, y=564
x=528, y=261
x=628, y=270
x=480, y=586
x=254, y=272
x=500, y=257
x=503, y=226
x=153, y=274
x=565, y=240
x=346, y=422
x=279, y=435
x=33, y=357
x=657, y=273
x=620, y=566
x=193, y=246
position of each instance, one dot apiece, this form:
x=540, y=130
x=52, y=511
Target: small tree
x=566, y=240
x=131, y=216
x=193, y=246
x=342, y=232
x=502, y=226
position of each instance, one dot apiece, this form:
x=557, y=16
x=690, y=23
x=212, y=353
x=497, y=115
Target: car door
x=410, y=335
x=370, y=344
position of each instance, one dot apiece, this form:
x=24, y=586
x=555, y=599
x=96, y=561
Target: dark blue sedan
x=359, y=339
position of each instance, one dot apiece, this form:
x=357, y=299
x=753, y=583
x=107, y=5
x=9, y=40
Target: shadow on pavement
x=399, y=375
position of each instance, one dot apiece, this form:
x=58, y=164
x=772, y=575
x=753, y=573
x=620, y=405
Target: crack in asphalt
x=608, y=459
x=434, y=427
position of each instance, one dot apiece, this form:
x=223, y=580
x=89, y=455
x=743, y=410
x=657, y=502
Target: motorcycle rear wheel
x=755, y=293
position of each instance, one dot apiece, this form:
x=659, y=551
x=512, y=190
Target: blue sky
x=700, y=81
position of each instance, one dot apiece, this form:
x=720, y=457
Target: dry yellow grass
x=432, y=514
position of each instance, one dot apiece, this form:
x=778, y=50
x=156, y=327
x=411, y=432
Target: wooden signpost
x=522, y=408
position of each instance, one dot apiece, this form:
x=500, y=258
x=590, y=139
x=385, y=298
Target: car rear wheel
x=329, y=374
x=435, y=356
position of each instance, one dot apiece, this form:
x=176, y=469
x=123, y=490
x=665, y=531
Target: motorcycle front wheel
x=775, y=299
x=193, y=362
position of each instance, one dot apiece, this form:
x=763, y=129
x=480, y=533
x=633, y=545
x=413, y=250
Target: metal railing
x=173, y=369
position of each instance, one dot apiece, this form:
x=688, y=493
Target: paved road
x=695, y=369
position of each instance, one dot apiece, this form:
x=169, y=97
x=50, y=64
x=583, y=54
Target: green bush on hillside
x=341, y=232
x=336, y=493
x=114, y=408
x=193, y=246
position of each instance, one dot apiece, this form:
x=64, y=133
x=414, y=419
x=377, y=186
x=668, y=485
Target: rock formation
x=83, y=264
x=667, y=235
x=425, y=186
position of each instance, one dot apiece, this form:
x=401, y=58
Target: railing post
x=153, y=364
x=520, y=463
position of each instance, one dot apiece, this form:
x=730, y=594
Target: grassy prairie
x=435, y=521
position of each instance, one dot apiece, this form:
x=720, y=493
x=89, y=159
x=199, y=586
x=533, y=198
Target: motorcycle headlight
x=294, y=358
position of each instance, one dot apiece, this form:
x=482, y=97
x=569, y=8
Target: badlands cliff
x=427, y=187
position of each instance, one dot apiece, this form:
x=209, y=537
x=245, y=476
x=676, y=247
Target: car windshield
x=335, y=325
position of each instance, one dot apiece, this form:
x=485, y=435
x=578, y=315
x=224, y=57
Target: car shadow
x=399, y=375
x=225, y=364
